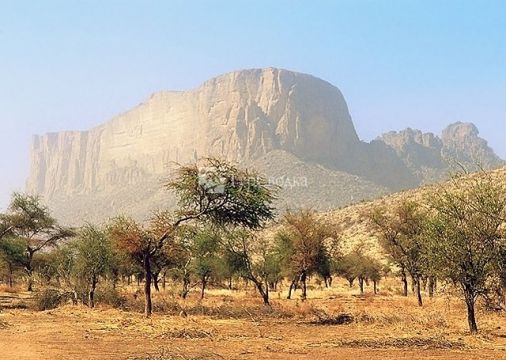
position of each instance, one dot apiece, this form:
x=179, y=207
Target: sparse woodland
x=225, y=234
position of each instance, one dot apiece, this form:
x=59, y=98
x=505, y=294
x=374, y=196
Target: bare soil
x=382, y=327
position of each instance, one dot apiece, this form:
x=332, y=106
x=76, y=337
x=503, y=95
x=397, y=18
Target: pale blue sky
x=73, y=64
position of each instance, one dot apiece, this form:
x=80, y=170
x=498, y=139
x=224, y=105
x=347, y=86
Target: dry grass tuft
x=405, y=343
x=165, y=354
x=186, y=333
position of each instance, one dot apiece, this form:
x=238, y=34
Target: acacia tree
x=302, y=242
x=31, y=222
x=12, y=255
x=93, y=258
x=252, y=258
x=214, y=191
x=465, y=237
x=141, y=244
x=345, y=267
x=401, y=236
x=206, y=256
x=5, y=226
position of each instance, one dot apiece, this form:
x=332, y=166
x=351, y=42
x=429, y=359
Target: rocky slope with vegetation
x=292, y=127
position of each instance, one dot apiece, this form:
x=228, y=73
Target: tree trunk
x=471, y=316
x=155, y=281
x=29, y=271
x=350, y=282
x=263, y=292
x=418, y=290
x=230, y=283
x=292, y=288
x=431, y=286
x=148, y=306
x=303, y=279
x=164, y=281
x=375, y=286
x=91, y=294
x=204, y=283
x=361, y=285
x=186, y=285
x=11, y=281
x=404, y=280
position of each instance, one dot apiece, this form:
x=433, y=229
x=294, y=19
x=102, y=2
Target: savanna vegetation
x=225, y=236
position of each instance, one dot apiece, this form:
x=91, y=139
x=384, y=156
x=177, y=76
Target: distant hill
x=355, y=227
x=288, y=125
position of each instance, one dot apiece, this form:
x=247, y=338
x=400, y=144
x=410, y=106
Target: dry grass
x=234, y=324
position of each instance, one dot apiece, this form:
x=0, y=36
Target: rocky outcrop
x=430, y=157
x=239, y=116
x=286, y=124
x=462, y=143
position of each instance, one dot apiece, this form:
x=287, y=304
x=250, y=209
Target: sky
x=71, y=65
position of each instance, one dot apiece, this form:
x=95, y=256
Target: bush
x=49, y=299
x=110, y=296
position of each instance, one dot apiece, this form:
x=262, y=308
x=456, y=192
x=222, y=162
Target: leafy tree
x=345, y=267
x=375, y=271
x=5, y=226
x=222, y=194
x=302, y=245
x=93, y=258
x=401, y=236
x=251, y=258
x=45, y=264
x=465, y=237
x=358, y=265
x=141, y=244
x=206, y=254
x=12, y=253
x=31, y=222
x=216, y=192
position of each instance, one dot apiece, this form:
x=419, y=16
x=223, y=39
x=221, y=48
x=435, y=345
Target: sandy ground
x=399, y=331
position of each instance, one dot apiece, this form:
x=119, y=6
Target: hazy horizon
x=398, y=65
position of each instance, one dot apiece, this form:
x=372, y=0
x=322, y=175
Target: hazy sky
x=73, y=64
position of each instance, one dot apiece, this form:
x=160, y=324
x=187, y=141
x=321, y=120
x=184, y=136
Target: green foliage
x=12, y=252
x=301, y=244
x=402, y=236
x=31, y=222
x=109, y=295
x=218, y=192
x=252, y=258
x=49, y=299
x=206, y=253
x=93, y=254
x=465, y=235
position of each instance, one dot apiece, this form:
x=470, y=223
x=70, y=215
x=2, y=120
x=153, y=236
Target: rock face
x=462, y=143
x=240, y=116
x=430, y=157
x=271, y=119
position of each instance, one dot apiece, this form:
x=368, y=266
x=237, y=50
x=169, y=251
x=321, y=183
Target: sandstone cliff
x=240, y=116
x=286, y=124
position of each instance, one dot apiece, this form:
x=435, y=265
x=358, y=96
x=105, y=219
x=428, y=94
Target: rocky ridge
x=287, y=125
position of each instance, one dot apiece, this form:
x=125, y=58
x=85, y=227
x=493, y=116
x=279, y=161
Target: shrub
x=110, y=296
x=49, y=299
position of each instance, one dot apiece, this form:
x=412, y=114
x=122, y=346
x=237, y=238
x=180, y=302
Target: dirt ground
x=384, y=327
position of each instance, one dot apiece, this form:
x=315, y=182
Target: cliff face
x=431, y=157
x=240, y=116
x=286, y=124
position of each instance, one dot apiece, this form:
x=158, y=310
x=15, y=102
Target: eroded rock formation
x=271, y=119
